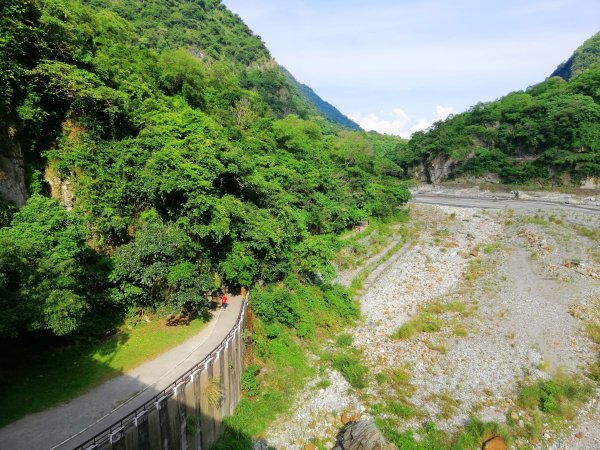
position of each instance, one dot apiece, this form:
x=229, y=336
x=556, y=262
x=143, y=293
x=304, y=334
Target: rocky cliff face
x=61, y=190
x=591, y=183
x=437, y=169
x=12, y=170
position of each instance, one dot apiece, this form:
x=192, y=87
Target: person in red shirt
x=223, y=301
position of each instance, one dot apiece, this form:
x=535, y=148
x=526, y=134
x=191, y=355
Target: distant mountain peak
x=587, y=55
x=329, y=111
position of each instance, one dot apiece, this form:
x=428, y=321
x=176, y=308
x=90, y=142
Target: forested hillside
x=164, y=155
x=583, y=59
x=326, y=109
x=550, y=131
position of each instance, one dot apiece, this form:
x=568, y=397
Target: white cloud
x=441, y=112
x=371, y=56
x=394, y=122
x=398, y=122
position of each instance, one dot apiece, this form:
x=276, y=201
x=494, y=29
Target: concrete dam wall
x=189, y=413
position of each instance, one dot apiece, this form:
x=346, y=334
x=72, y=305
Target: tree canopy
x=544, y=132
x=190, y=160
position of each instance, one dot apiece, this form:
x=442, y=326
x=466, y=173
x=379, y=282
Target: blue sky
x=397, y=66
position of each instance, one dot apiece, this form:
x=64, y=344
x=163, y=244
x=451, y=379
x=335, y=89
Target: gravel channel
x=528, y=284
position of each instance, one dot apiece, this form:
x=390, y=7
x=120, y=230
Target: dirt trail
x=541, y=304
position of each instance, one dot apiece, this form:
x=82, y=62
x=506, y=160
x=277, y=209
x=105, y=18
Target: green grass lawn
x=45, y=371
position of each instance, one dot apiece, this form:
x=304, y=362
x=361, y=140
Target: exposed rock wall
x=61, y=190
x=12, y=170
x=437, y=169
x=591, y=183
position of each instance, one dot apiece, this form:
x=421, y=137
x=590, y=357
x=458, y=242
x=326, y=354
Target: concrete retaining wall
x=189, y=413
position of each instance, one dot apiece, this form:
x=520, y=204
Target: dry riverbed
x=486, y=302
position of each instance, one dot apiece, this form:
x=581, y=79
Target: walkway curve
x=73, y=423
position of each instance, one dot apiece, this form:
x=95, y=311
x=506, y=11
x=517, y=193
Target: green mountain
x=328, y=111
x=582, y=59
x=550, y=132
x=157, y=153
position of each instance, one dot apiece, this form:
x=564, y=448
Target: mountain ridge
x=547, y=133
x=584, y=57
x=333, y=114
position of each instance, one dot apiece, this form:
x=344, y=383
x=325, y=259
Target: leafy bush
x=303, y=307
x=476, y=432
x=44, y=270
x=594, y=372
x=250, y=384
x=555, y=395
x=155, y=269
x=381, y=378
x=423, y=323
x=276, y=305
x=6, y=213
x=429, y=437
x=352, y=369
x=344, y=340
x=400, y=409
x=406, y=331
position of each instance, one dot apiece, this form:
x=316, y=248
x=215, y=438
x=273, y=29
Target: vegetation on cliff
x=167, y=156
x=186, y=158
x=582, y=60
x=550, y=130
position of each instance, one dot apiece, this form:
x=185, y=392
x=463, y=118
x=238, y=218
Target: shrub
x=305, y=308
x=594, y=372
x=557, y=395
x=344, y=340
x=423, y=323
x=476, y=432
x=381, y=378
x=400, y=409
x=351, y=368
x=406, y=331
x=250, y=383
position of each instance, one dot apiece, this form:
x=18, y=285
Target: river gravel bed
x=521, y=326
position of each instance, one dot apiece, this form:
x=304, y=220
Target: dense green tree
x=44, y=262
x=186, y=153
x=18, y=36
x=161, y=266
x=550, y=128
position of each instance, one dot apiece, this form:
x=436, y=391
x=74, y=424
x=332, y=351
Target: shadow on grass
x=234, y=439
x=40, y=370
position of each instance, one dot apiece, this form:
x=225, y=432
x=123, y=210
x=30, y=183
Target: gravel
x=317, y=413
x=523, y=328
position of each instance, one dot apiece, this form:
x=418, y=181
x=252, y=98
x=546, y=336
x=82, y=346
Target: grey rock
x=437, y=169
x=12, y=170
x=363, y=435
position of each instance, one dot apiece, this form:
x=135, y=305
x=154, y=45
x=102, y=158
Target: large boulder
x=362, y=435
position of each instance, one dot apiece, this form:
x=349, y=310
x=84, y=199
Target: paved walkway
x=71, y=424
x=529, y=204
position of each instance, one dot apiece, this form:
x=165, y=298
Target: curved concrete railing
x=189, y=412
